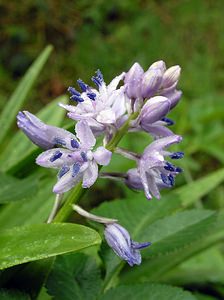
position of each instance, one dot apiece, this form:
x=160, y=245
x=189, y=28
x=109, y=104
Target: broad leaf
x=74, y=276
x=7, y=117
x=28, y=243
x=147, y=292
x=12, y=189
x=12, y=295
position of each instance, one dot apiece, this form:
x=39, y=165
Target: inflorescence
x=141, y=99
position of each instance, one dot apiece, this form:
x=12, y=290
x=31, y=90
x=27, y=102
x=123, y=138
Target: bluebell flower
x=76, y=161
x=121, y=243
x=103, y=107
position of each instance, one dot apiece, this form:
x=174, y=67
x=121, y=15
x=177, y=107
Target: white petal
x=106, y=116
x=46, y=160
x=102, y=156
x=114, y=83
x=66, y=182
x=85, y=135
x=90, y=175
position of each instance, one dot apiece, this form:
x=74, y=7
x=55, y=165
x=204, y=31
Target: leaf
x=12, y=189
x=147, y=291
x=12, y=295
x=18, y=98
x=43, y=241
x=20, y=150
x=32, y=211
x=74, y=276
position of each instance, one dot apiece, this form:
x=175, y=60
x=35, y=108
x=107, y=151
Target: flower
x=121, y=243
x=76, y=160
x=42, y=135
x=103, y=108
x=153, y=168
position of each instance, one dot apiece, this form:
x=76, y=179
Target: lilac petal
x=171, y=76
x=85, y=135
x=90, y=175
x=174, y=97
x=151, y=82
x=158, y=65
x=153, y=188
x=144, y=180
x=66, y=182
x=114, y=83
x=50, y=159
x=139, y=246
x=165, y=142
x=157, y=130
x=133, y=180
x=106, y=116
x=119, y=104
x=102, y=156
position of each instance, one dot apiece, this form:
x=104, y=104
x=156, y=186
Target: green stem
x=76, y=193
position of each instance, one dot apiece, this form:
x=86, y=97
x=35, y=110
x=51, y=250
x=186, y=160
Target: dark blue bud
x=73, y=91
x=56, y=156
x=63, y=171
x=82, y=85
x=168, y=121
x=75, y=169
x=76, y=98
x=74, y=144
x=177, y=155
x=91, y=96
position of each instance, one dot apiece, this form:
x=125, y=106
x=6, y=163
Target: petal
x=165, y=142
x=144, y=180
x=66, y=182
x=114, y=83
x=106, y=116
x=85, y=135
x=90, y=175
x=157, y=130
x=51, y=159
x=102, y=156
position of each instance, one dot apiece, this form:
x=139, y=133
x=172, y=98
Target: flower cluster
x=141, y=100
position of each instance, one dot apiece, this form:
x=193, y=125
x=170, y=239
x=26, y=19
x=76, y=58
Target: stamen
x=171, y=179
x=98, y=79
x=139, y=246
x=56, y=156
x=76, y=98
x=169, y=167
x=91, y=96
x=63, y=171
x=165, y=179
x=84, y=157
x=178, y=170
x=74, y=143
x=168, y=121
x=177, y=155
x=82, y=85
x=75, y=169
x=73, y=91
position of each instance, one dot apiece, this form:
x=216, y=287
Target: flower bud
x=121, y=243
x=151, y=82
x=174, y=97
x=133, y=81
x=153, y=110
x=133, y=180
x=171, y=76
x=158, y=65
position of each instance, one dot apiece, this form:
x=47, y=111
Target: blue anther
x=168, y=121
x=76, y=98
x=178, y=170
x=63, y=171
x=74, y=144
x=165, y=179
x=73, y=91
x=82, y=85
x=75, y=169
x=84, y=157
x=91, y=96
x=177, y=155
x=169, y=167
x=98, y=79
x=171, y=179
x=55, y=156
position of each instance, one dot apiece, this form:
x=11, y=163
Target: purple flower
x=133, y=80
x=102, y=108
x=76, y=163
x=42, y=135
x=153, y=168
x=120, y=241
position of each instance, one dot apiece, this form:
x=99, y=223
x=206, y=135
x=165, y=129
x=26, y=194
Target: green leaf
x=74, y=276
x=12, y=295
x=20, y=150
x=42, y=241
x=7, y=117
x=32, y=211
x=12, y=189
x=147, y=292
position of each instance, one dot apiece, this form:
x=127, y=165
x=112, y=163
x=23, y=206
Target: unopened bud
x=171, y=76
x=133, y=81
x=151, y=82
